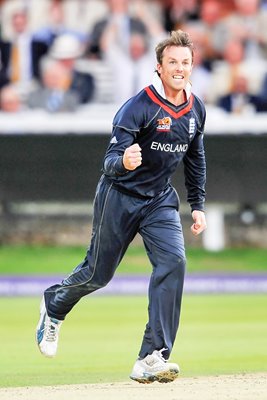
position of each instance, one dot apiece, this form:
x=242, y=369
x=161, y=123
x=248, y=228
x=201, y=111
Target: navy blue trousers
x=118, y=217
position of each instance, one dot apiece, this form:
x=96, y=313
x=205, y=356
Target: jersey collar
x=157, y=83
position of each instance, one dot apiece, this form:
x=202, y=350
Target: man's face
x=176, y=67
x=19, y=22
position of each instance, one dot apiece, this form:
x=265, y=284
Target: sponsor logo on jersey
x=114, y=140
x=169, y=147
x=164, y=124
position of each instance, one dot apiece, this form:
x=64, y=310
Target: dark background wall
x=66, y=167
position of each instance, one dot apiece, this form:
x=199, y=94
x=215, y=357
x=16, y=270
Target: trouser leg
x=163, y=238
x=114, y=226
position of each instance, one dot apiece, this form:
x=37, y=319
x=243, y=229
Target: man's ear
x=159, y=68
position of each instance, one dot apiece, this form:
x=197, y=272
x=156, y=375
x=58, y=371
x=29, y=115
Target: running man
x=153, y=132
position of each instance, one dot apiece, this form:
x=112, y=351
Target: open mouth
x=178, y=77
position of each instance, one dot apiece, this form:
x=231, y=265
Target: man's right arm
x=123, y=155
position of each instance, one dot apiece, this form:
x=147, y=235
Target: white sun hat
x=66, y=46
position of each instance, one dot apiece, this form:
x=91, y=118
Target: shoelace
x=51, y=330
x=155, y=357
x=159, y=353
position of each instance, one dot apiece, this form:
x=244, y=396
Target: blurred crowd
x=59, y=55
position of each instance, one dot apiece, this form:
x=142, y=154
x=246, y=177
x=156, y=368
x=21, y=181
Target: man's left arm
x=195, y=180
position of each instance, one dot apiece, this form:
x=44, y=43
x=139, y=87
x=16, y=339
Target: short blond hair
x=177, y=38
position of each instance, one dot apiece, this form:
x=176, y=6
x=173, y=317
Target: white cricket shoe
x=154, y=368
x=47, y=332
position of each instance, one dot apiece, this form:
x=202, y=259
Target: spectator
x=132, y=67
x=1, y=19
x=178, y=12
x=10, y=100
x=211, y=12
x=56, y=25
x=238, y=100
x=20, y=57
x=248, y=24
x=200, y=76
x=81, y=15
x=262, y=106
x=233, y=64
x=118, y=14
x=54, y=95
x=67, y=49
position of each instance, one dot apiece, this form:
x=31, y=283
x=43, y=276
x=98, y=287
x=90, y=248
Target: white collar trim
x=157, y=83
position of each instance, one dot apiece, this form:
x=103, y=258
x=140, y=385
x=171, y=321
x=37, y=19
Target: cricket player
x=153, y=132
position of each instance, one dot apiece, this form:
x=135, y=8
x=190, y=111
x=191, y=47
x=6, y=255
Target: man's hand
x=132, y=157
x=199, y=224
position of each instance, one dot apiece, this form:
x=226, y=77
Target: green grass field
x=101, y=337
x=219, y=334
x=61, y=260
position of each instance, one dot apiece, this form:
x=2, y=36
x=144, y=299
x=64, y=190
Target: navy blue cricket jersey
x=167, y=135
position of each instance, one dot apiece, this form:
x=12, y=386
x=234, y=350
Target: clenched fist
x=199, y=224
x=132, y=157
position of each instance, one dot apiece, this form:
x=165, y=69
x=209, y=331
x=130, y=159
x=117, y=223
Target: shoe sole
x=162, y=377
